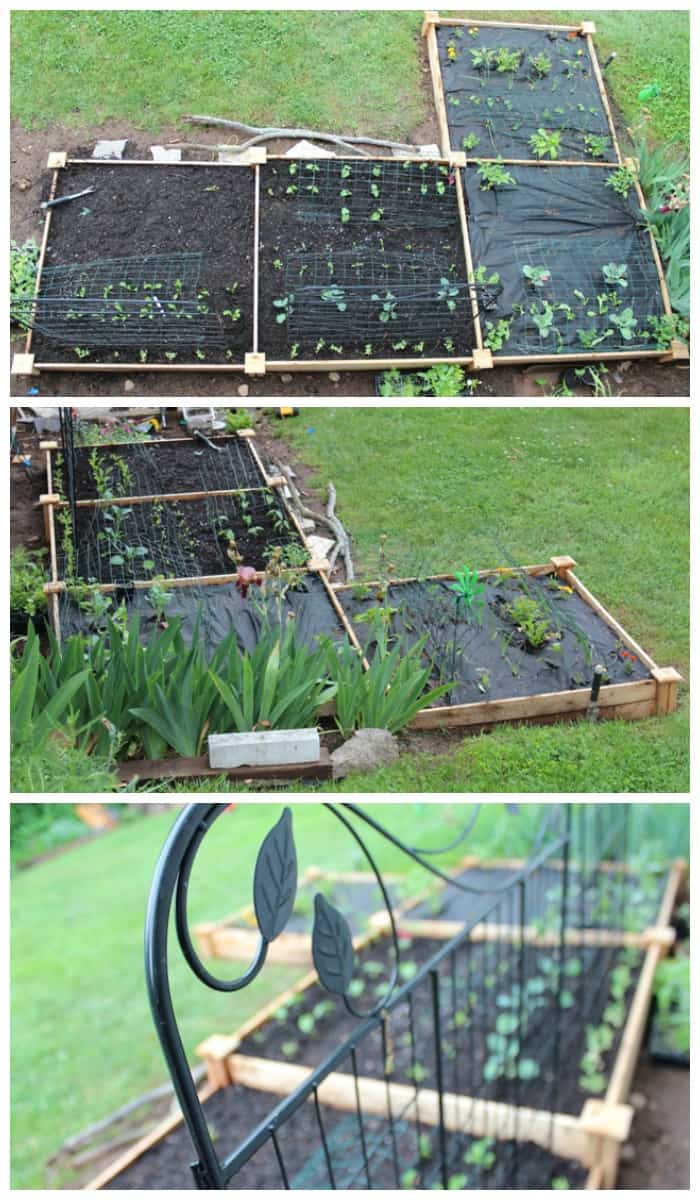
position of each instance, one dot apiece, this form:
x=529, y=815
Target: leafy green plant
x=529, y=617
x=285, y=305
x=443, y=379
x=541, y=64
x=237, y=418
x=389, y=694
x=597, y=145
x=27, y=578
x=481, y=1154
x=672, y=994
x=621, y=181
x=538, y=277
x=546, y=142
x=447, y=291
x=398, y=383
x=615, y=274
x=590, y=338
x=508, y=60
x=483, y=59
x=560, y=1183
x=388, y=303
x=493, y=175
x=497, y=333
x=625, y=322
x=335, y=295
x=23, y=264
x=470, y=142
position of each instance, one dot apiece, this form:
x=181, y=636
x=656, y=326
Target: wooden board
x=198, y=768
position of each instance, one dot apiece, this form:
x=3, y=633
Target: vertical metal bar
x=329, y=1166
x=363, y=1143
x=561, y=956
x=413, y=1067
x=435, y=987
x=388, y=1069
x=280, y=1162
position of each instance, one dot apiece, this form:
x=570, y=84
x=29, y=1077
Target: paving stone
x=165, y=154
x=306, y=149
x=107, y=149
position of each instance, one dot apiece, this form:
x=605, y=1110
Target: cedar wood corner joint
x=255, y=362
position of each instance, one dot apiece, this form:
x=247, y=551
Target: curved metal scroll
x=274, y=894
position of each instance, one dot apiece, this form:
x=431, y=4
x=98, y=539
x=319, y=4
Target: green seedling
x=621, y=181
x=596, y=145
x=546, y=143
x=625, y=322
x=481, y=1154
x=541, y=65
x=615, y=274
x=285, y=306
x=493, y=175
x=538, y=277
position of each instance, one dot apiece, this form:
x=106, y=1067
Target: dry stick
x=263, y=132
x=328, y=518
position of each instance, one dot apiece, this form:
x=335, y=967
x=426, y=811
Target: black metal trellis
x=401, y=193
x=427, y=1030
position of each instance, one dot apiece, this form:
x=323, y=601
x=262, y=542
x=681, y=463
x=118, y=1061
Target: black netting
x=368, y=294
x=502, y=85
x=568, y=221
x=351, y=191
x=194, y=538
x=140, y=301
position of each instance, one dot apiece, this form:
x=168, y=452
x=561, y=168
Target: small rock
x=243, y=389
x=165, y=154
x=334, y=376
x=286, y=378
x=638, y=1100
x=109, y=149
x=129, y=385
x=24, y=184
x=364, y=751
x=307, y=524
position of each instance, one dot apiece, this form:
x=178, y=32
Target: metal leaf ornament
x=332, y=948
x=275, y=879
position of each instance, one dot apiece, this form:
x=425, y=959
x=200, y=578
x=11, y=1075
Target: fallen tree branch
x=328, y=519
x=264, y=133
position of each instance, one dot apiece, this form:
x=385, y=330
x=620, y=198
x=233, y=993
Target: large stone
x=366, y=750
x=427, y=151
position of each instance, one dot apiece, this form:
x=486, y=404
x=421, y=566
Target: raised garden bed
x=362, y=259
x=189, y=232
x=522, y=1138
x=500, y=673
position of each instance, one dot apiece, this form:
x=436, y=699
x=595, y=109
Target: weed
x=596, y=145
x=621, y=181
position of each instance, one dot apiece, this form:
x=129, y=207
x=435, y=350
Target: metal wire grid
x=488, y=100
x=135, y=301
x=401, y=192
x=367, y=294
x=584, y=257
x=150, y=467
x=119, y=544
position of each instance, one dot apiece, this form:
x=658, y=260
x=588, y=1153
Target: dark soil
x=658, y=1154
x=313, y=242
x=168, y=467
x=392, y=1149
x=492, y=658
x=141, y=211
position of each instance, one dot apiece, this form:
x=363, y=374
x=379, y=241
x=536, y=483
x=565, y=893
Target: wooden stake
x=447, y=21
x=42, y=256
x=165, y=497
x=667, y=680
x=256, y=265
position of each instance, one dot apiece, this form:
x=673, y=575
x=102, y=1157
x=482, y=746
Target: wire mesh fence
x=399, y=193
x=137, y=301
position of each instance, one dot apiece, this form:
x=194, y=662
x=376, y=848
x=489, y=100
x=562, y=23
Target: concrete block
x=320, y=547
x=428, y=151
x=107, y=149
x=271, y=747
x=165, y=154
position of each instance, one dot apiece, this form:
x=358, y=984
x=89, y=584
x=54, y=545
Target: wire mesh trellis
x=400, y=193
x=136, y=301
x=455, y=1078
x=372, y=295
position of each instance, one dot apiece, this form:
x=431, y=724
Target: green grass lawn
x=485, y=487
x=82, y=1036
x=351, y=71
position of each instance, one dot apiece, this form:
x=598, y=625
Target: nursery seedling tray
x=236, y=936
